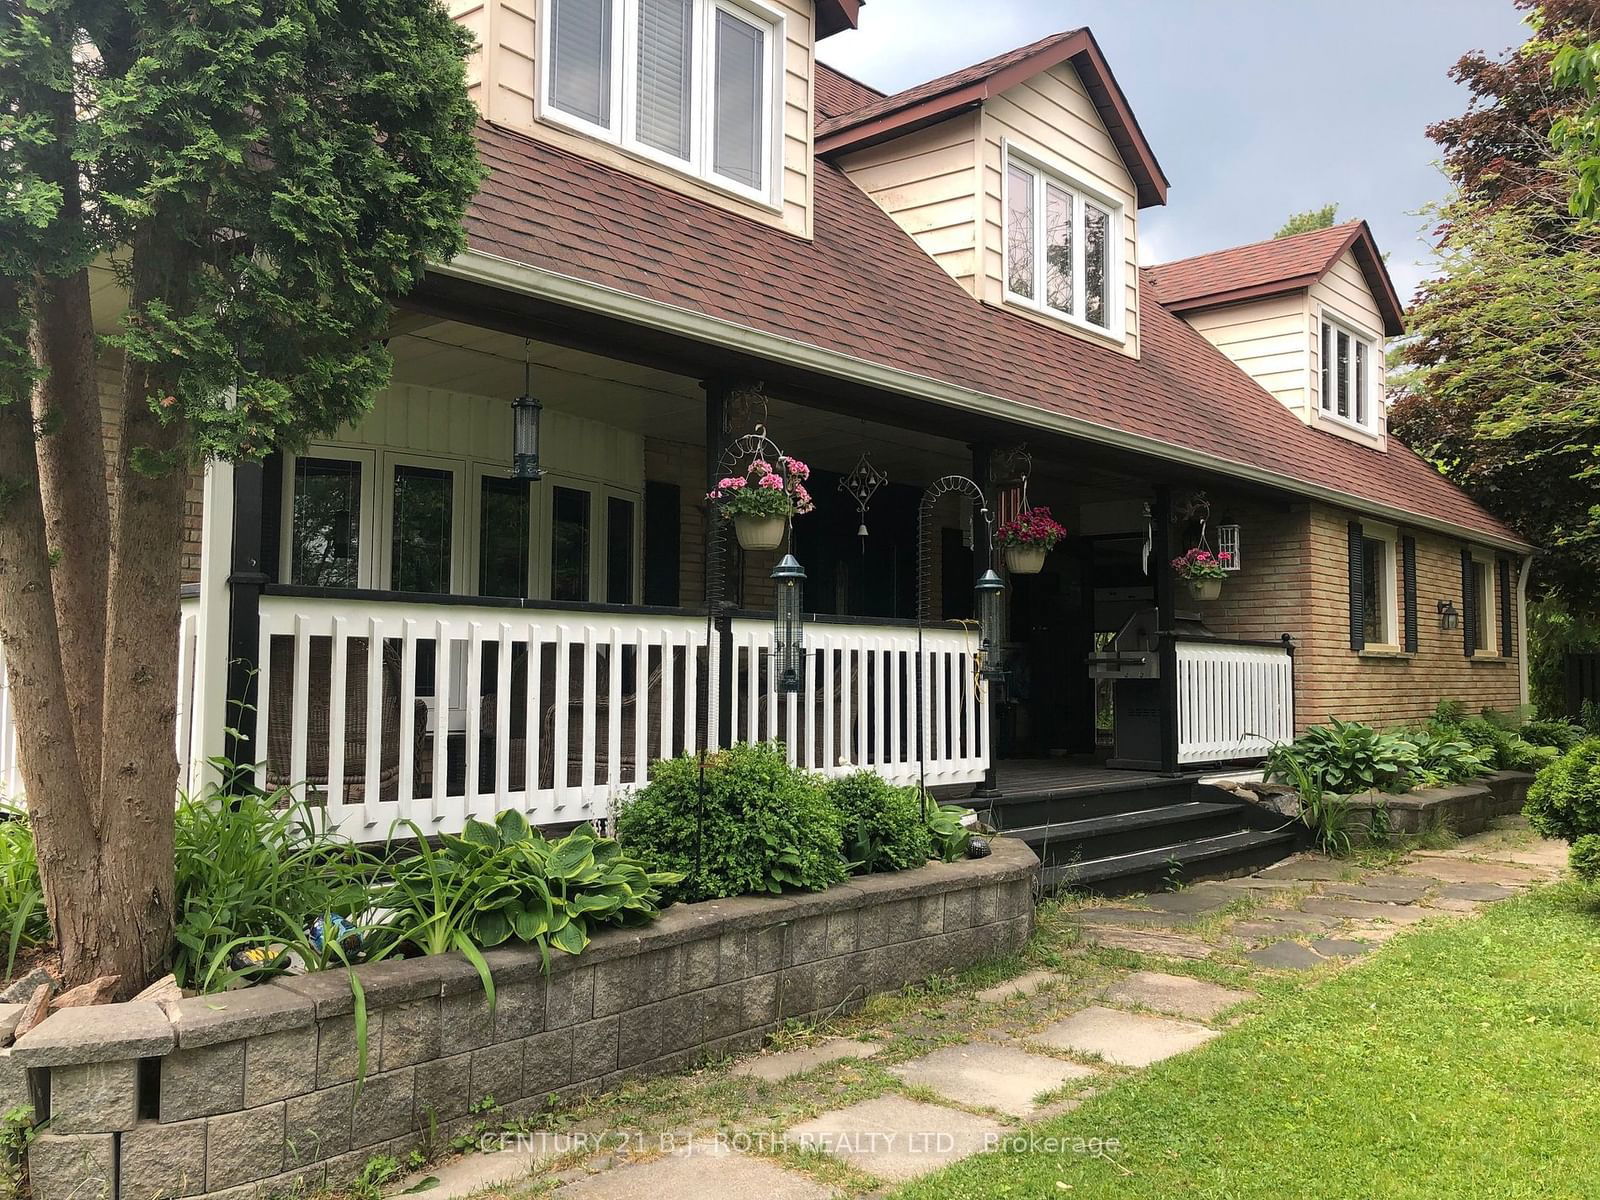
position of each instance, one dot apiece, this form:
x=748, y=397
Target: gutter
x=510, y=275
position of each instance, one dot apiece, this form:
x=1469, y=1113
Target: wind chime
x=861, y=485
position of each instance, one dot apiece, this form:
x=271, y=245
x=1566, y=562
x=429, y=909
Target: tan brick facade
x=1295, y=579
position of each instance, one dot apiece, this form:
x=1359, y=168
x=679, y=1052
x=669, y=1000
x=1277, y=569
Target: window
x=619, y=550
x=504, y=517
x=421, y=527
x=1347, y=374
x=1481, y=606
x=1377, y=583
x=686, y=82
x=1060, y=247
x=325, y=538
x=569, y=544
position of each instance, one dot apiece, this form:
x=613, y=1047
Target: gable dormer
x=1307, y=317
x=709, y=97
x=1022, y=176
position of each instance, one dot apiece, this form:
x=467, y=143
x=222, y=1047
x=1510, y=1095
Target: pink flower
x=769, y=480
x=759, y=466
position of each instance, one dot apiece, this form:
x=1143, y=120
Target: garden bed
x=269, y=1087
x=1461, y=808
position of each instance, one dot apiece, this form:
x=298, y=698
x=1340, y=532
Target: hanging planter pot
x=1203, y=571
x=1025, y=560
x=1205, y=589
x=759, y=533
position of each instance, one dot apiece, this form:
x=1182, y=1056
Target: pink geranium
x=1032, y=527
x=1200, y=563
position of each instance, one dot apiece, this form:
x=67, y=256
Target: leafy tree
x=1305, y=222
x=1576, y=67
x=264, y=177
x=1505, y=393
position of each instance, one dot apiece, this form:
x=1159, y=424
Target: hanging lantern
x=525, y=414
x=788, y=633
x=990, y=591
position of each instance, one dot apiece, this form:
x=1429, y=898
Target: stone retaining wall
x=253, y=1093
x=1464, y=808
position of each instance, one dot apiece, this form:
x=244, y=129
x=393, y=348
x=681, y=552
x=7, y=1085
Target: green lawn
x=1460, y=1062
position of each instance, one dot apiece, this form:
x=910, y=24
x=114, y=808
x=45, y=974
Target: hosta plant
x=947, y=825
x=1442, y=759
x=1346, y=757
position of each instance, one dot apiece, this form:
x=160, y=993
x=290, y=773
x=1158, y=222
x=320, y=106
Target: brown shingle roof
x=1275, y=266
x=861, y=287
x=941, y=98
x=838, y=94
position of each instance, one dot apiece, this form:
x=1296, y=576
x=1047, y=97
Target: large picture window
x=1061, y=255
x=691, y=83
x=1348, y=374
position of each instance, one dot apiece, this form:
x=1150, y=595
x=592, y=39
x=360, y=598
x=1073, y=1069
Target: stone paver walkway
x=917, y=1081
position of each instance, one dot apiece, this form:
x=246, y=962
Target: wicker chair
x=319, y=693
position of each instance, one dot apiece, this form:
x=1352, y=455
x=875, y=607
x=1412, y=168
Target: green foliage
x=17, y=1131
x=1564, y=801
x=254, y=871
x=1576, y=135
x=1556, y=628
x=1326, y=814
x=763, y=825
x=947, y=825
x=1442, y=758
x=884, y=829
x=1305, y=222
x=1585, y=858
x=1345, y=757
x=23, y=921
x=1557, y=734
x=496, y=882
x=1501, y=748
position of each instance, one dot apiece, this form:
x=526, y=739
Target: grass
x=1458, y=1061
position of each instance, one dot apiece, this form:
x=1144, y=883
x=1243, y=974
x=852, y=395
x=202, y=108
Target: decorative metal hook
x=861, y=484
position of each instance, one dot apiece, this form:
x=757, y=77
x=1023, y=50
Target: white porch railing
x=187, y=734
x=1235, y=700
x=467, y=710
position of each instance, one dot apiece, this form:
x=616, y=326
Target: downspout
x=1522, y=629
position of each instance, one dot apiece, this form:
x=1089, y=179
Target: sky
x=1256, y=109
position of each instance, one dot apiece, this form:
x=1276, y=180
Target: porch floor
x=1064, y=778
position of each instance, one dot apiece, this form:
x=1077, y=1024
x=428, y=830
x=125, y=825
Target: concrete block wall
x=1295, y=580
x=255, y=1093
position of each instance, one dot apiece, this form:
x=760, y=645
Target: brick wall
x=1295, y=580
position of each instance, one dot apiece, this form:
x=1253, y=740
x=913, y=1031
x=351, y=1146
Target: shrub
x=763, y=825
x=1585, y=858
x=1503, y=749
x=1558, y=734
x=1564, y=801
x=884, y=828
x=1345, y=757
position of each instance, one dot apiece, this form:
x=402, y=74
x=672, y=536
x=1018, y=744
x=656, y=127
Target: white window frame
x=1388, y=600
x=1487, y=635
x=1357, y=333
x=622, y=130
x=477, y=472
x=388, y=460
x=366, y=528
x=1046, y=171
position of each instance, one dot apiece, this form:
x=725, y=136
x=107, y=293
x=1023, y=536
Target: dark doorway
x=848, y=575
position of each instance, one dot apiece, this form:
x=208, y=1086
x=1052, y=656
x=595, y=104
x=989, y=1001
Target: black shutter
x=271, y=515
x=1358, y=604
x=1469, y=613
x=1408, y=571
x=1505, y=607
x=662, y=531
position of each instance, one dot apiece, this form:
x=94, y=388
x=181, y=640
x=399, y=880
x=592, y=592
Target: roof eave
x=835, y=16
x=1240, y=295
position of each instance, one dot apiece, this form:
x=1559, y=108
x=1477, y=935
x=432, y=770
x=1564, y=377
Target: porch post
x=209, y=698
x=1166, y=622
x=982, y=549
x=717, y=560
x=245, y=580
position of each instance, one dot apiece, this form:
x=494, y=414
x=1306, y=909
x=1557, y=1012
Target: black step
x=1118, y=833
x=1185, y=862
x=1043, y=805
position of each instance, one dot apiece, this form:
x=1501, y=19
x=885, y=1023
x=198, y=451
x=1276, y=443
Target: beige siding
x=1051, y=117
x=503, y=74
x=1266, y=339
x=927, y=181
x=1343, y=293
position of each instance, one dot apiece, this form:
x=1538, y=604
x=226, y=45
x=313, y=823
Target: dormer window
x=1061, y=241
x=1349, y=361
x=688, y=83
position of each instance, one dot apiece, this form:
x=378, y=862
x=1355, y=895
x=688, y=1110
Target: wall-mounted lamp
x=1449, y=618
x=788, y=631
x=990, y=590
x=525, y=415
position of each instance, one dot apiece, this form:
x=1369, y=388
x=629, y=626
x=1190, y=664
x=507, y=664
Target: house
x=692, y=231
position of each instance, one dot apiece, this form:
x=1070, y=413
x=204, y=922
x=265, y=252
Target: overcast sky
x=1255, y=108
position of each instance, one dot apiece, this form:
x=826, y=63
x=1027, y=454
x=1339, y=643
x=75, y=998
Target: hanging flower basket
x=761, y=501
x=759, y=533
x=1027, y=538
x=1203, y=571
